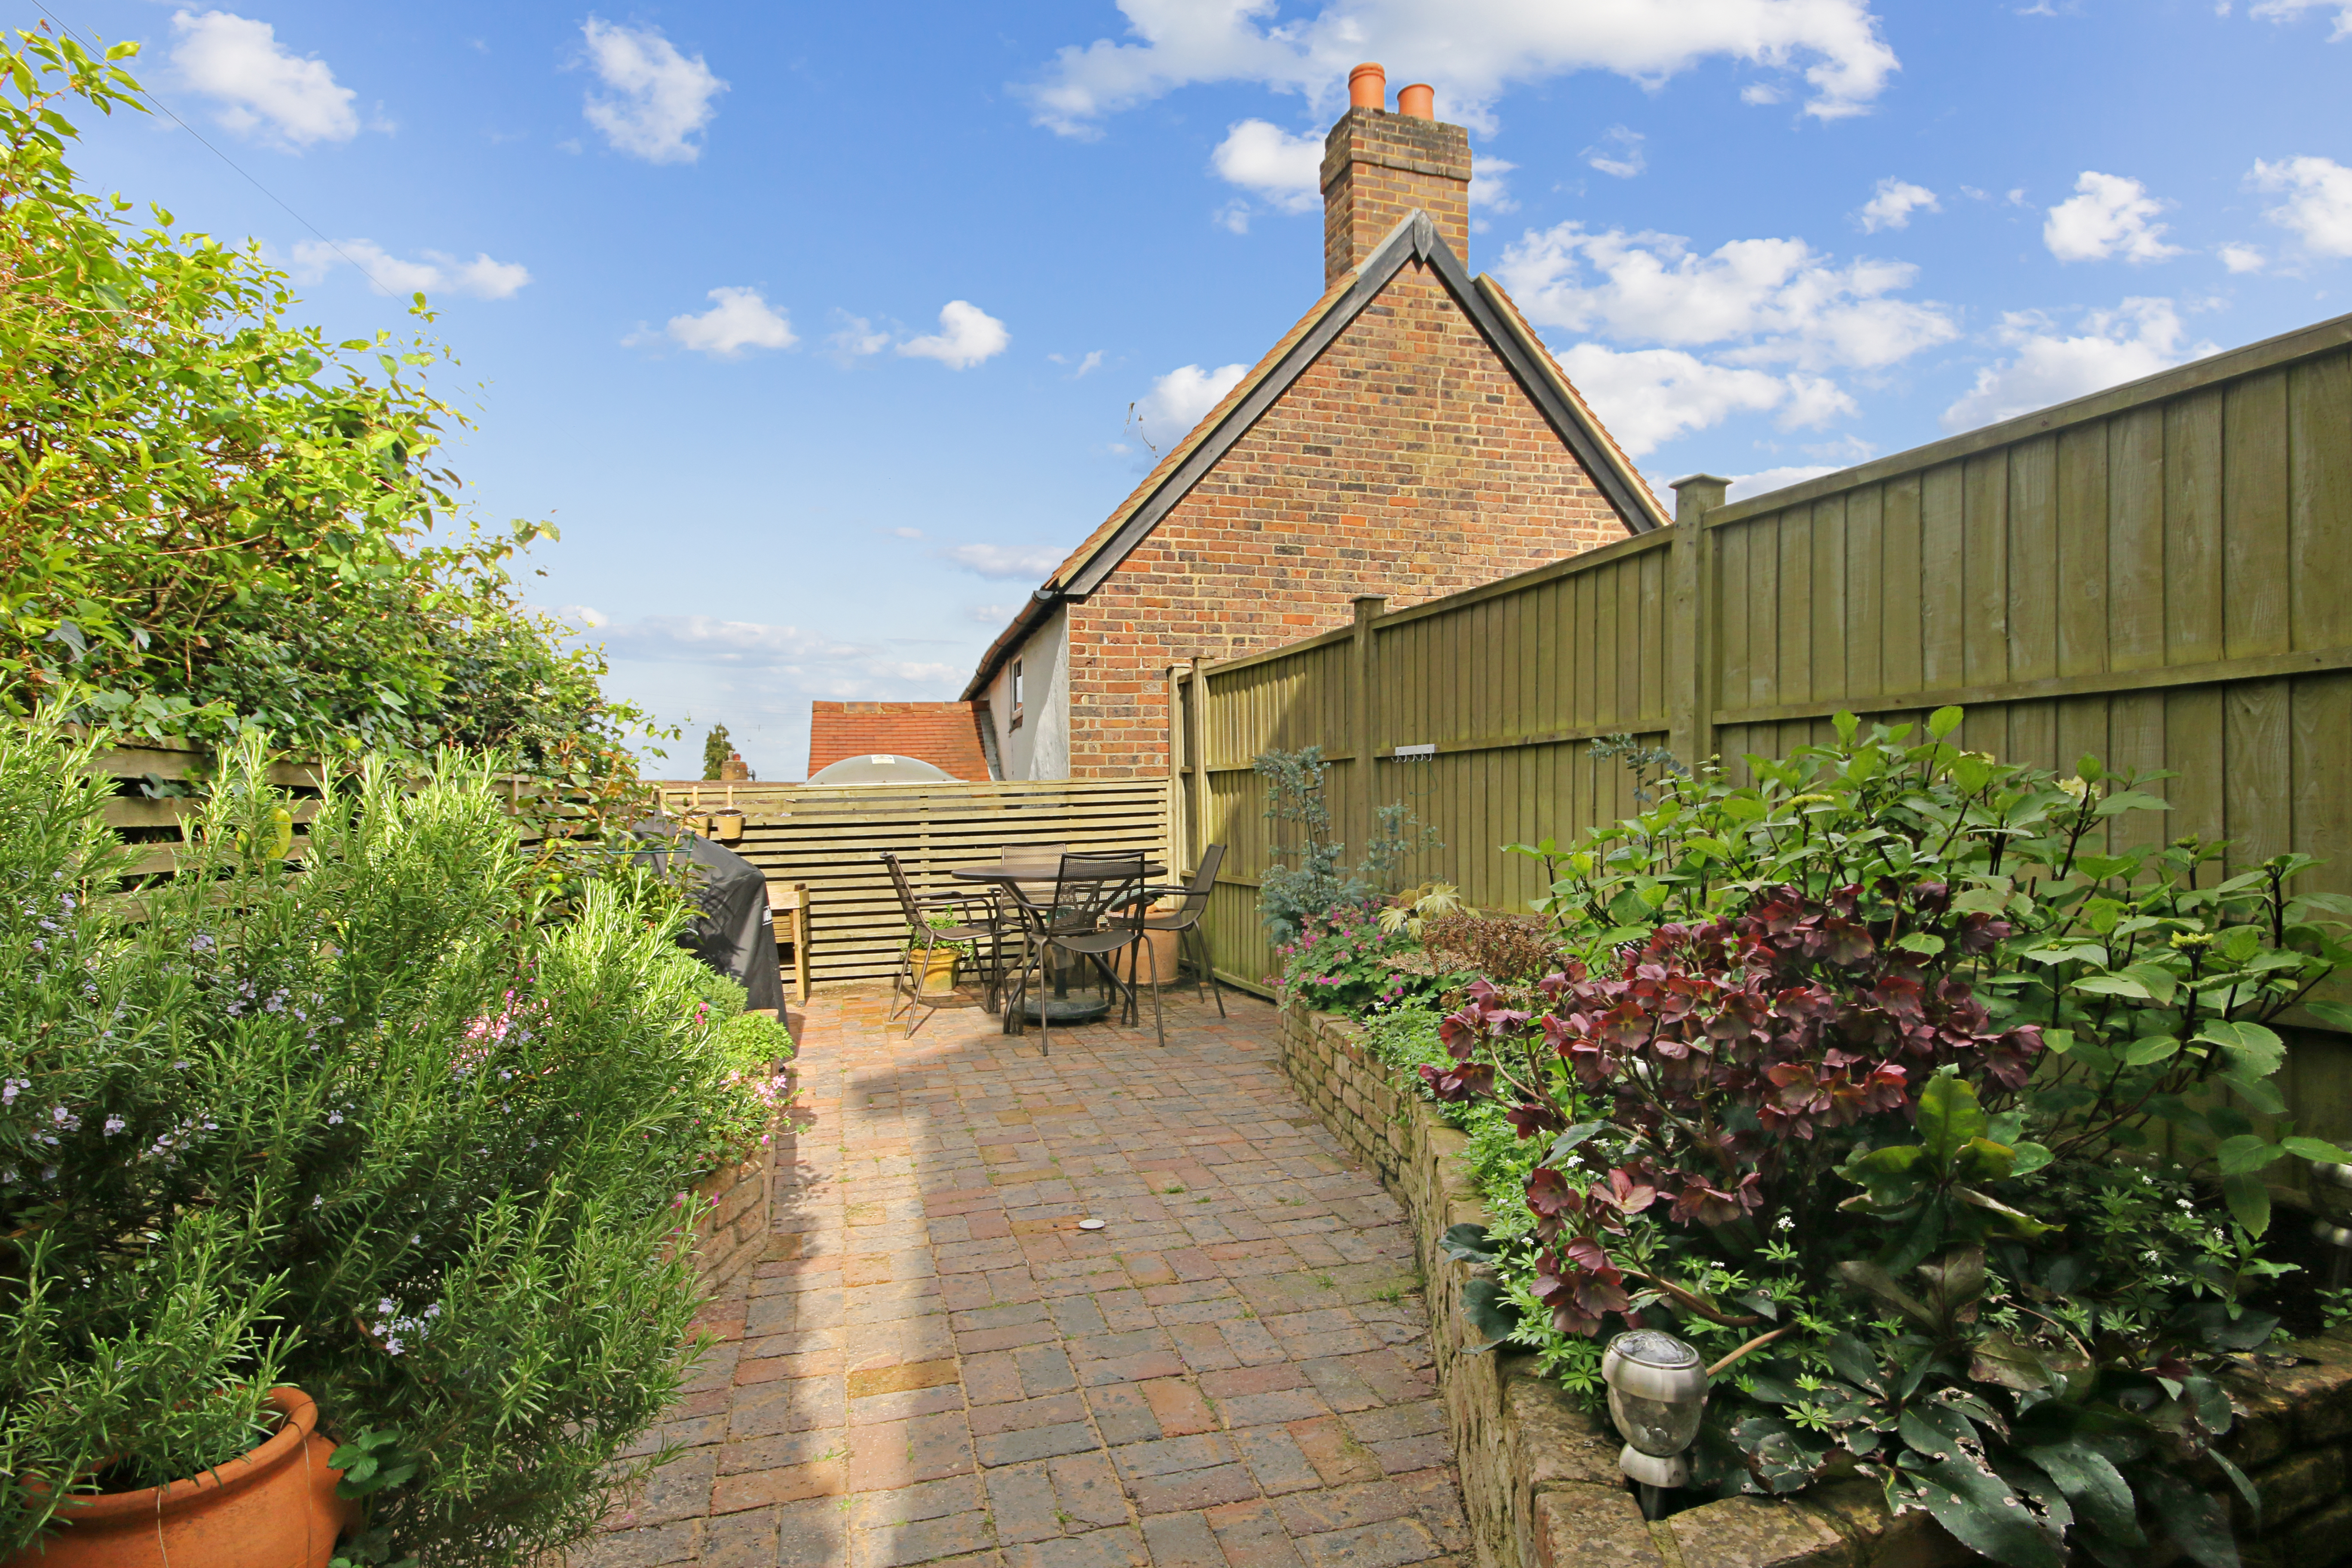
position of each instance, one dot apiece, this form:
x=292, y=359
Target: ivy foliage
x=214, y=519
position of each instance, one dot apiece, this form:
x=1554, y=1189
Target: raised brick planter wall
x=733, y=1233
x=1540, y=1476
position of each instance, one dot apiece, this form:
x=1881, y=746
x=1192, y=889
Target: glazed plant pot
x=727, y=826
x=939, y=971
x=274, y=1507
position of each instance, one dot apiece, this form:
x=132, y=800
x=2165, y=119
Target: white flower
x=1786, y=1222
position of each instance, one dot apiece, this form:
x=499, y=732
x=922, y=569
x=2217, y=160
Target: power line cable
x=150, y=97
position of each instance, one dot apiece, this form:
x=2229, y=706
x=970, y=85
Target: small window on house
x=1016, y=696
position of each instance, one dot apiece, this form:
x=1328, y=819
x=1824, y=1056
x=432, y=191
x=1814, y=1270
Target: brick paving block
x=932, y=1366
x=1035, y=1443
x=1388, y=1544
x=1021, y=1415
x=1274, y=1458
x=1088, y=1488
x=739, y=1541
x=900, y=1453
x=1337, y=1454
x=1182, y=1541
x=1253, y=1536
x=1045, y=1369
x=1120, y=1547
x=944, y=1540
x=1022, y=1499
x=813, y=1534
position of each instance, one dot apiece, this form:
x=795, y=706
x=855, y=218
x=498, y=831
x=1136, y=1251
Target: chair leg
x=1158, y=1026
x=1216, y=988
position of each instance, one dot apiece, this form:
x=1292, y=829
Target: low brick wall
x=1540, y=1476
x=733, y=1232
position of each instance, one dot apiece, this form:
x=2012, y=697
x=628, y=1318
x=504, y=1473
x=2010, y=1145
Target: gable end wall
x=1406, y=461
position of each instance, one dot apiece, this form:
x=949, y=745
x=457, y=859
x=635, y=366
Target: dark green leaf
x=1467, y=1243
x=1489, y=1314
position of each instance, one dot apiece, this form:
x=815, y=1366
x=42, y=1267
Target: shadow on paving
x=936, y=1365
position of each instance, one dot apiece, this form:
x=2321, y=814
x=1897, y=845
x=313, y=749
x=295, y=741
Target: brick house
x=1409, y=438
x=951, y=736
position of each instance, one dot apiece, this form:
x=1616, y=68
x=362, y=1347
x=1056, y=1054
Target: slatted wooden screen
x=833, y=839
x=2159, y=574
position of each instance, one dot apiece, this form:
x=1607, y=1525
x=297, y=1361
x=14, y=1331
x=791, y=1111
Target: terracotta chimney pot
x=1419, y=101
x=1367, y=88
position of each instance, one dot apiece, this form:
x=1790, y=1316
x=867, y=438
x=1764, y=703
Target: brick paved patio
x=936, y=1365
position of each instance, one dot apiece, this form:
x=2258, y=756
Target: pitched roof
x=1192, y=459
x=945, y=735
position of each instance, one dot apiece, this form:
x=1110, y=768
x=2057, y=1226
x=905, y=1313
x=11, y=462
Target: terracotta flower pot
x=275, y=1507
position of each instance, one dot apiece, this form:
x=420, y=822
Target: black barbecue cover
x=731, y=930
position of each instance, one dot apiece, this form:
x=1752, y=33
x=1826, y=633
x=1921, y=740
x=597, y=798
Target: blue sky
x=823, y=332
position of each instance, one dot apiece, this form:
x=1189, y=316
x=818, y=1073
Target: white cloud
x=1181, y=399
x=481, y=278
x=1489, y=191
x=1765, y=481
x=1471, y=54
x=1085, y=367
x=1618, y=152
x=994, y=615
x=1646, y=397
x=2110, y=215
x=738, y=319
x=1003, y=560
x=2318, y=206
x=660, y=97
x=1776, y=302
x=823, y=661
x=1761, y=93
x=856, y=338
x=261, y=86
x=907, y=532
x=2288, y=10
x=2242, y=257
x=1268, y=162
x=1895, y=202
x=2048, y=366
x=967, y=335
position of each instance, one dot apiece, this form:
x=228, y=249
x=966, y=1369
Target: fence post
x=1357, y=827
x=1180, y=759
x=1692, y=656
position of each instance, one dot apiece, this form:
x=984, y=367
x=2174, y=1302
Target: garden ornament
x=1657, y=1392
x=2334, y=1225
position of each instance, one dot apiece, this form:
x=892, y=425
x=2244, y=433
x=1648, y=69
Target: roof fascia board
x=1415, y=238
x=1387, y=260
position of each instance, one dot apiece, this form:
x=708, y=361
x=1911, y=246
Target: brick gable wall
x=1406, y=462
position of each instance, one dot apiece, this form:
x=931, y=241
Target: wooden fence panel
x=833, y=839
x=2159, y=576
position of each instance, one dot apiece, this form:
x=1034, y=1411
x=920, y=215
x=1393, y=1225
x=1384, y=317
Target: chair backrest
x=1204, y=883
x=906, y=891
x=1091, y=890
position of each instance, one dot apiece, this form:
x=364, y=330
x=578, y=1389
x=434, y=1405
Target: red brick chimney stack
x=1379, y=166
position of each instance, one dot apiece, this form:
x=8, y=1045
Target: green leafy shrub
x=1306, y=875
x=1345, y=961
x=218, y=521
x=362, y=1123
x=1921, y=1066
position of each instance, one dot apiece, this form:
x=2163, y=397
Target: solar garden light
x=2331, y=1189
x=1657, y=1392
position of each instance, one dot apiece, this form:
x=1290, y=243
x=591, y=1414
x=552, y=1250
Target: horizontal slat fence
x=2159, y=576
x=833, y=839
